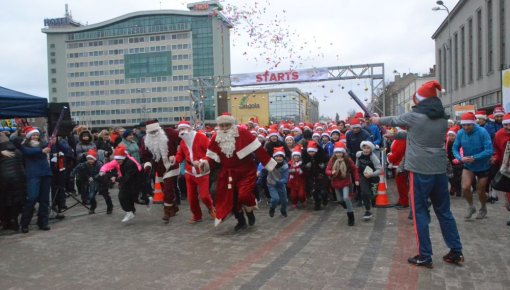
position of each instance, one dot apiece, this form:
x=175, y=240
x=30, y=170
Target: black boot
x=93, y=205
x=350, y=217
x=251, y=218
x=241, y=221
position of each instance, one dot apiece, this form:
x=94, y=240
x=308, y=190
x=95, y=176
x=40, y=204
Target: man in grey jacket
x=426, y=159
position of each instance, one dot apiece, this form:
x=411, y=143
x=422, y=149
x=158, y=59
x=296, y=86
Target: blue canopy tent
x=15, y=104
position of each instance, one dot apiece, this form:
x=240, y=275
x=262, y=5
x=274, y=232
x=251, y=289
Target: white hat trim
x=467, y=122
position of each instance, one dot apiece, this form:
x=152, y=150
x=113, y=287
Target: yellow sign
x=247, y=106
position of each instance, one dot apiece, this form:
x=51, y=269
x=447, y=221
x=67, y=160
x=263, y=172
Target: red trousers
x=402, y=180
x=297, y=194
x=195, y=187
x=240, y=183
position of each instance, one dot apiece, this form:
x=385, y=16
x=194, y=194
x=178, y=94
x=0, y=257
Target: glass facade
x=152, y=64
x=285, y=106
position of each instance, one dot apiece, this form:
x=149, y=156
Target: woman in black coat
x=12, y=183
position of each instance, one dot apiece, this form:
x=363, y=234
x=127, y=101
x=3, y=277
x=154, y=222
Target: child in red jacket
x=296, y=181
x=340, y=168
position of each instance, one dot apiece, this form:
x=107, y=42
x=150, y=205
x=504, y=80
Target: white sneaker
x=471, y=210
x=129, y=216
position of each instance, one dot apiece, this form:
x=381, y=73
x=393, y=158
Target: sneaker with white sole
x=470, y=212
x=129, y=216
x=482, y=213
x=367, y=216
x=149, y=203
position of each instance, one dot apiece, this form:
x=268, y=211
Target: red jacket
x=500, y=140
x=198, y=145
x=337, y=181
x=398, y=150
x=296, y=175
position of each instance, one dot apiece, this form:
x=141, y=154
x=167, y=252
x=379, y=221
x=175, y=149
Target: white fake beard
x=227, y=140
x=157, y=144
x=187, y=137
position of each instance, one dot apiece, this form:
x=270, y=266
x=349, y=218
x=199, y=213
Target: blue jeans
x=342, y=194
x=278, y=196
x=38, y=190
x=435, y=187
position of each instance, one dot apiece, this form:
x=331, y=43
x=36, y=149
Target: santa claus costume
x=192, y=149
x=396, y=159
x=232, y=147
x=158, y=145
x=297, y=178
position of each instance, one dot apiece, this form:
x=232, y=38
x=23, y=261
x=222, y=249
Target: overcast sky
x=319, y=33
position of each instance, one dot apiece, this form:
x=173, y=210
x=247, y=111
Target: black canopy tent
x=14, y=104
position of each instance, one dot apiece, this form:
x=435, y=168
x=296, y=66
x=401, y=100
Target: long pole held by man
x=426, y=160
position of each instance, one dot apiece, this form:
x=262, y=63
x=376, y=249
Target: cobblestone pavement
x=307, y=250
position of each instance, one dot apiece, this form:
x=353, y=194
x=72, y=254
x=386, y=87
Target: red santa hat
x=183, y=124
x=301, y=124
x=453, y=130
x=272, y=132
x=225, y=118
x=481, y=114
x=506, y=119
x=498, y=111
x=120, y=153
x=355, y=123
x=359, y=115
x=367, y=143
x=152, y=125
x=297, y=150
x=491, y=118
x=468, y=118
x=334, y=129
x=339, y=147
x=312, y=146
x=92, y=154
x=326, y=134
x=427, y=90
x=316, y=134
x=262, y=135
x=29, y=131
x=289, y=137
x=262, y=130
x=278, y=151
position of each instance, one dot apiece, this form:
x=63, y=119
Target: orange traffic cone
x=381, y=200
x=158, y=193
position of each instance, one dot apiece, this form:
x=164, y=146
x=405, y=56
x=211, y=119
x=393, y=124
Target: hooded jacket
x=82, y=147
x=427, y=123
x=476, y=144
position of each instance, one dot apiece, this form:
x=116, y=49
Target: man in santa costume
x=157, y=147
x=192, y=149
x=232, y=147
x=396, y=158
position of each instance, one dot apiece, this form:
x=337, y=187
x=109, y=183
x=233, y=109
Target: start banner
x=278, y=77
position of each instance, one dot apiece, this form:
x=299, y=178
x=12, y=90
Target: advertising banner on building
x=277, y=77
x=505, y=89
x=461, y=110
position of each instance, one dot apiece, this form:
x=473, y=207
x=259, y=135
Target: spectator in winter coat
x=128, y=141
x=326, y=143
x=315, y=160
x=341, y=169
x=277, y=182
x=477, y=146
x=103, y=146
x=84, y=145
x=12, y=183
x=38, y=172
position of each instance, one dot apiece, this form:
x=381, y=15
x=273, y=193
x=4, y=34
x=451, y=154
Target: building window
x=455, y=61
x=490, y=52
x=445, y=76
x=53, y=80
x=53, y=61
x=502, y=32
x=53, y=70
x=470, y=49
x=52, y=45
x=52, y=53
x=53, y=90
x=54, y=100
x=479, y=43
x=462, y=57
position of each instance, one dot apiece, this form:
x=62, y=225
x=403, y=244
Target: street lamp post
x=449, y=82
